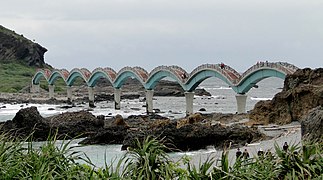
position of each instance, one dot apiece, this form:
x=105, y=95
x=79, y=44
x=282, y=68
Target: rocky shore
x=192, y=133
x=300, y=100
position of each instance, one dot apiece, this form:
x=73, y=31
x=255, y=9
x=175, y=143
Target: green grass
x=15, y=76
x=148, y=160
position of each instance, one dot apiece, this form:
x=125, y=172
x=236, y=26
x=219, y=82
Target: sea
x=222, y=101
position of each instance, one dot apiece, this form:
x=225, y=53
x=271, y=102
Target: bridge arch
x=124, y=74
x=57, y=74
x=248, y=81
x=41, y=73
x=161, y=72
x=204, y=72
x=74, y=74
x=98, y=73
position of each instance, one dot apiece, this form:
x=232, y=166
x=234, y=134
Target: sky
x=186, y=33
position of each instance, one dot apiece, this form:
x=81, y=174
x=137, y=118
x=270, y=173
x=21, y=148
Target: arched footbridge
x=240, y=83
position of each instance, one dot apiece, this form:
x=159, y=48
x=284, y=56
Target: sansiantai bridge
x=240, y=83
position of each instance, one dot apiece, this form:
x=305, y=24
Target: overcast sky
x=187, y=33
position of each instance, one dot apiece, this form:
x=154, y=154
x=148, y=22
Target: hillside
x=15, y=47
x=19, y=59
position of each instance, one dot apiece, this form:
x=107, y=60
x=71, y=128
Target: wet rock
x=157, y=110
x=312, y=125
x=29, y=120
x=196, y=136
x=202, y=109
x=75, y=124
x=119, y=121
x=110, y=135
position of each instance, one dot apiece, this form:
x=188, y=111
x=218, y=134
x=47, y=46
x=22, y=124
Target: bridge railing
x=141, y=72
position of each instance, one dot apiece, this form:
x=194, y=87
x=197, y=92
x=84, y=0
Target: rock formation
x=69, y=125
x=16, y=47
x=312, y=125
x=302, y=92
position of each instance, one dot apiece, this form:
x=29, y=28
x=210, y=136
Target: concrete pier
x=35, y=88
x=51, y=89
x=189, y=96
x=117, y=98
x=69, y=93
x=91, y=96
x=149, y=101
x=241, y=103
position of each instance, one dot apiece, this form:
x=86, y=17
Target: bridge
x=240, y=83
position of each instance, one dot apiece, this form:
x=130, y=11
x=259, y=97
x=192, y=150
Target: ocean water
x=222, y=100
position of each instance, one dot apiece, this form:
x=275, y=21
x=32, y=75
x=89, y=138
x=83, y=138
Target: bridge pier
x=149, y=101
x=91, y=96
x=117, y=98
x=69, y=94
x=35, y=88
x=189, y=96
x=241, y=103
x=51, y=88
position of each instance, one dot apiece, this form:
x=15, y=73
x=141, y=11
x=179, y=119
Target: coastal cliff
x=15, y=47
x=302, y=92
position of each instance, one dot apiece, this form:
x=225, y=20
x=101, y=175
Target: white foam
x=259, y=99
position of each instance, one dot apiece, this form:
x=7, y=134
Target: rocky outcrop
x=29, y=121
x=75, y=124
x=67, y=125
x=193, y=135
x=312, y=125
x=302, y=92
x=197, y=136
x=16, y=47
x=110, y=135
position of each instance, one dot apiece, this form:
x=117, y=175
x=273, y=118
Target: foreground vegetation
x=148, y=160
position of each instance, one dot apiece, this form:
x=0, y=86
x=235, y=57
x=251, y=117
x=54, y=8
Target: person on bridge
x=222, y=66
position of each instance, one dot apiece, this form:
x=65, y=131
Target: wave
x=260, y=99
x=214, y=88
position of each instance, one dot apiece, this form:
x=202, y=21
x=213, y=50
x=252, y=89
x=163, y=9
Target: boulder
x=110, y=135
x=302, y=92
x=312, y=125
x=75, y=124
x=119, y=121
x=27, y=121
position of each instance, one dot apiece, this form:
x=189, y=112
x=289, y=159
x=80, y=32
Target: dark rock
x=75, y=124
x=51, y=109
x=302, y=92
x=312, y=125
x=66, y=107
x=101, y=117
x=110, y=135
x=201, y=92
x=202, y=109
x=29, y=120
x=157, y=110
x=196, y=136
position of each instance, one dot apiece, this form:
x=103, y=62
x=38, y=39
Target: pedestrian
x=245, y=154
x=285, y=147
x=238, y=153
x=260, y=152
